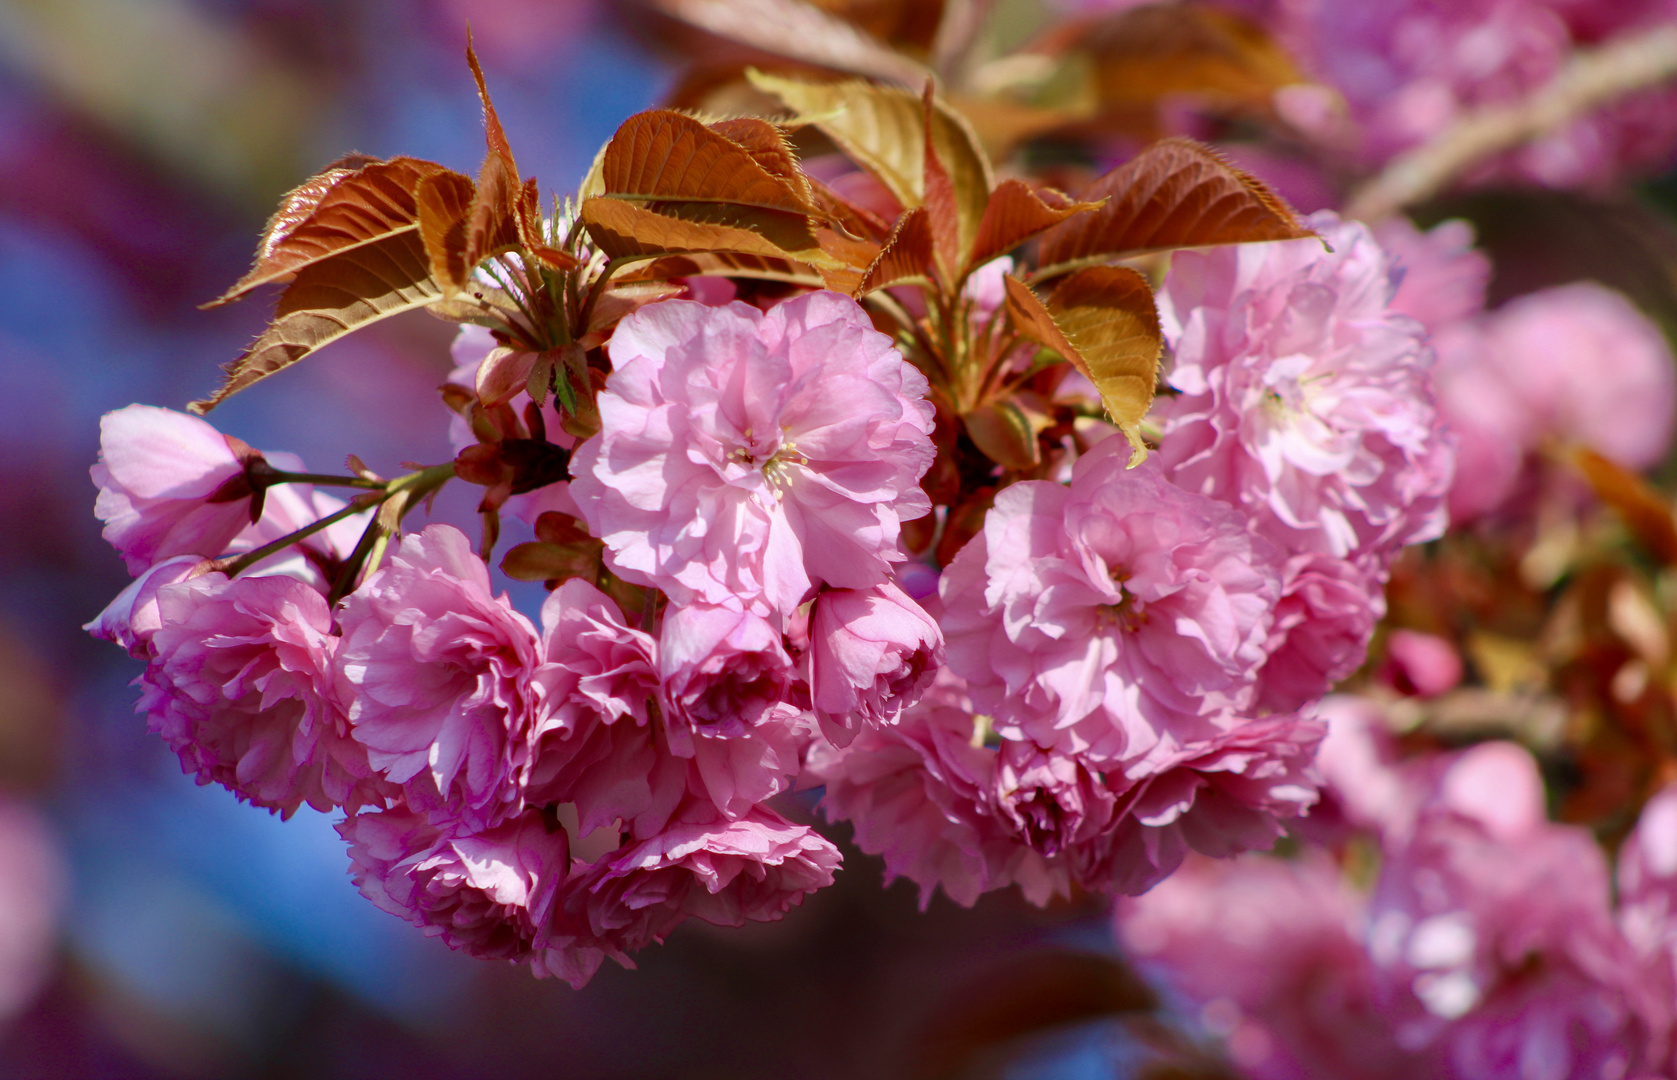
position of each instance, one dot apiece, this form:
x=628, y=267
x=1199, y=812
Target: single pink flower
x=596, y=744
x=922, y=793
x=872, y=653
x=1052, y=802
x=489, y=893
x=724, y=671
x=1587, y=367
x=1112, y=617
x=241, y=685
x=439, y=680
x=1304, y=400
x=1323, y=623
x=1219, y=797
x=752, y=869
x=747, y=457
x=160, y=477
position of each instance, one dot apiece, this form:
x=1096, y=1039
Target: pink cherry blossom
x=1219, y=797
x=158, y=473
x=749, y=456
x=1304, y=400
x=724, y=671
x=726, y=684
x=1409, y=69
x=1577, y=363
x=597, y=685
x=921, y=794
x=241, y=685
x=439, y=674
x=752, y=869
x=489, y=893
x=1115, y=616
x=872, y=653
x=1503, y=944
x=1323, y=623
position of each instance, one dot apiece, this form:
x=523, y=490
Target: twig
x=1589, y=80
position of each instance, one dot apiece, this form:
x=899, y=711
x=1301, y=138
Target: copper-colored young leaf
x=907, y=255
x=800, y=31
x=624, y=230
x=329, y=299
x=1175, y=193
x=444, y=200
x=670, y=157
x=1003, y=431
x=768, y=146
x=492, y=222
x=1145, y=54
x=1103, y=320
x=1646, y=513
x=881, y=128
x=345, y=206
x=724, y=264
x=530, y=230
x=943, y=204
x=1018, y=212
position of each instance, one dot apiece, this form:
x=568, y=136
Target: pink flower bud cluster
x=1489, y=943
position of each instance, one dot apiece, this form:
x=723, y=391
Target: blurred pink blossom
x=1270, y=951
x=1575, y=364
x=32, y=892
x=1423, y=664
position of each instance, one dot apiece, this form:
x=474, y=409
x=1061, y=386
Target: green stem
x=251, y=558
x=276, y=476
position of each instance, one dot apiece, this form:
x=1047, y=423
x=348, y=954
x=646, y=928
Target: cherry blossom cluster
x=1488, y=944
x=1119, y=668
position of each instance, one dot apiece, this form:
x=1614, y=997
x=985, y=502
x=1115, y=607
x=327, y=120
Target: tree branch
x=1589, y=80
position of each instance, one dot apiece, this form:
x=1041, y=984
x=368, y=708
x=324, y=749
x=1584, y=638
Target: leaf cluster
x=673, y=195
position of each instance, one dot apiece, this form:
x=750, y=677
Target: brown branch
x=1589, y=80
